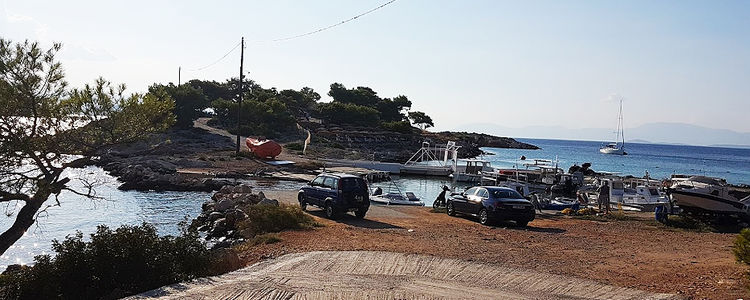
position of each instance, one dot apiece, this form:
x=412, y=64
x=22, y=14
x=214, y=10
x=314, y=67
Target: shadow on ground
x=351, y=220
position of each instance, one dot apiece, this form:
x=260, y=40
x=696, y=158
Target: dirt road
x=388, y=275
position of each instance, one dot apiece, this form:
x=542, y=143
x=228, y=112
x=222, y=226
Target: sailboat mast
x=621, y=125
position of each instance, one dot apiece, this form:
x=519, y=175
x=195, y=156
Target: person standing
x=604, y=197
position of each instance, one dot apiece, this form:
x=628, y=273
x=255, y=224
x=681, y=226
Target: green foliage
x=112, y=117
x=43, y=122
x=421, y=119
x=269, y=118
x=348, y=113
x=189, y=102
x=268, y=238
x=269, y=218
x=741, y=247
x=113, y=264
x=397, y=126
x=294, y=146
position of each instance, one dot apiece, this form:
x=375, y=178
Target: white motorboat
x=640, y=198
x=394, y=196
x=473, y=171
x=397, y=199
x=617, y=147
x=701, y=194
x=644, y=196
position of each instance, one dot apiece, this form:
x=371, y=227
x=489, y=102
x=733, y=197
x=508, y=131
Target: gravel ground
x=638, y=254
x=388, y=275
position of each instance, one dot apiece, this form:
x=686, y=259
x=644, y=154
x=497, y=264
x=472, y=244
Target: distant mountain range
x=651, y=133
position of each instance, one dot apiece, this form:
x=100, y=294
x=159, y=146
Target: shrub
x=113, y=264
x=263, y=219
x=741, y=247
x=397, y=126
x=294, y=146
x=348, y=113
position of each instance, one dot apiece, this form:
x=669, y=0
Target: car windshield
x=352, y=184
x=506, y=194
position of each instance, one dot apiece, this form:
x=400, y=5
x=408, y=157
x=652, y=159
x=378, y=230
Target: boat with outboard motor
x=708, y=195
x=394, y=196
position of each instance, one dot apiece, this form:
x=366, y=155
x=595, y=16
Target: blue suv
x=336, y=193
x=491, y=203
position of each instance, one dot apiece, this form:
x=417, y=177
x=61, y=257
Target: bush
x=128, y=260
x=295, y=146
x=741, y=247
x=397, y=126
x=263, y=219
x=348, y=113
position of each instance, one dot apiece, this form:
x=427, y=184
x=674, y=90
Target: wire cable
x=217, y=61
x=330, y=26
x=297, y=36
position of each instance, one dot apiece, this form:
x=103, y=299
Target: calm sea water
x=162, y=209
x=659, y=160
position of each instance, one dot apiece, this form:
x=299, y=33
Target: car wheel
x=360, y=214
x=302, y=202
x=522, y=223
x=449, y=209
x=484, y=218
x=330, y=210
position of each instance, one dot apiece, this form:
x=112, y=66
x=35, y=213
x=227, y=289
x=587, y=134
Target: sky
x=509, y=63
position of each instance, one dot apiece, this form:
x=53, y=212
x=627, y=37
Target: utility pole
x=239, y=101
x=179, y=72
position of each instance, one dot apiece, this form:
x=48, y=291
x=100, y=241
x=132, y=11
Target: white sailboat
x=617, y=147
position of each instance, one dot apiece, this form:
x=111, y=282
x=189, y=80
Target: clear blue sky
x=512, y=63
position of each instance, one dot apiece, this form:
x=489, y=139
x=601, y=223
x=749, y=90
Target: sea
x=166, y=210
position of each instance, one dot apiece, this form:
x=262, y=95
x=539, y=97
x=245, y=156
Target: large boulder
x=266, y=201
x=224, y=205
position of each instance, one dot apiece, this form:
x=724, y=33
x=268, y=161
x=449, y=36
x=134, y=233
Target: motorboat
x=397, y=199
x=617, y=147
x=640, y=198
x=394, y=196
x=701, y=194
x=647, y=197
x=474, y=171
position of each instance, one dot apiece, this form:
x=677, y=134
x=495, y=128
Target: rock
x=225, y=190
x=243, y=189
x=225, y=260
x=208, y=206
x=215, y=216
x=261, y=195
x=266, y=201
x=224, y=204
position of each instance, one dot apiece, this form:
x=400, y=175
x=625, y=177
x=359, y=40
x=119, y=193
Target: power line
x=330, y=26
x=299, y=35
x=218, y=60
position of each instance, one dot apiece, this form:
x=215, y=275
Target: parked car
x=492, y=203
x=336, y=193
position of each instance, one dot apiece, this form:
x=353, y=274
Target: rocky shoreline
x=331, y=141
x=157, y=163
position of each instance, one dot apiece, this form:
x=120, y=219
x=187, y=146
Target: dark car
x=492, y=203
x=336, y=193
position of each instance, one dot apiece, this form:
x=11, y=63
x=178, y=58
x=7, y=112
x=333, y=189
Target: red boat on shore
x=263, y=148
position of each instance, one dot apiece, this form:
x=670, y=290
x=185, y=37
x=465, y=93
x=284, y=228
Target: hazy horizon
x=514, y=64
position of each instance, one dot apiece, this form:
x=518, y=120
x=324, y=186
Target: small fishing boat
x=263, y=148
x=394, y=196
